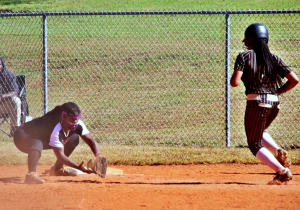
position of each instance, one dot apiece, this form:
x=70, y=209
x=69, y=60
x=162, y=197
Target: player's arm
x=92, y=143
x=60, y=155
x=98, y=164
x=292, y=81
x=236, y=78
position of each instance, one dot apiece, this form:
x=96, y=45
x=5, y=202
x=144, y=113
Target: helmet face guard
x=255, y=31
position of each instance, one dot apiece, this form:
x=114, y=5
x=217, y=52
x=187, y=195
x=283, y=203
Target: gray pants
x=24, y=142
x=12, y=107
x=34, y=147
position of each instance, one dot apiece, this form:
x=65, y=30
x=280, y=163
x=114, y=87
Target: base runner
x=262, y=74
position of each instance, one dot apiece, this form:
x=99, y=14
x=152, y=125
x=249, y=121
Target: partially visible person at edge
x=10, y=103
x=59, y=129
x=262, y=74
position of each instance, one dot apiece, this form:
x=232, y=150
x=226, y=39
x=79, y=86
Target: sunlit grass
x=144, y=155
x=152, y=84
x=120, y=5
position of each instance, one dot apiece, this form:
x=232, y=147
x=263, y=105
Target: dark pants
x=25, y=143
x=257, y=119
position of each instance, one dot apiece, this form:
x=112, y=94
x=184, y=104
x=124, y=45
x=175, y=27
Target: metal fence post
x=45, y=57
x=227, y=92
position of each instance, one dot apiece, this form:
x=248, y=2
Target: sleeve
x=239, y=63
x=54, y=137
x=284, y=69
x=84, y=128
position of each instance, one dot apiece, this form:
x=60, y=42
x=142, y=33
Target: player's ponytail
x=266, y=58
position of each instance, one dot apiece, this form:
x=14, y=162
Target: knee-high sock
x=266, y=157
x=33, y=159
x=269, y=143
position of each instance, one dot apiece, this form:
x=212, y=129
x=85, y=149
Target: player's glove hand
x=98, y=165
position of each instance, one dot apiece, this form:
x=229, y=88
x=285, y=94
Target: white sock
x=283, y=172
x=266, y=157
x=269, y=143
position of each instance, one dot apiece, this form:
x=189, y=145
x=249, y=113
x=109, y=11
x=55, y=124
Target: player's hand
x=84, y=169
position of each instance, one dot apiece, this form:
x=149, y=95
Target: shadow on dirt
x=16, y=180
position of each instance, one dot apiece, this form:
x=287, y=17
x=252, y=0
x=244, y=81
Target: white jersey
x=59, y=138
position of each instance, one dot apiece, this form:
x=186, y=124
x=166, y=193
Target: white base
x=109, y=171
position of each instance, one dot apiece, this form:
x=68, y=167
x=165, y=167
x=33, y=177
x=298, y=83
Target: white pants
x=12, y=107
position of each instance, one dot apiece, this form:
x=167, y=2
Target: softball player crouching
x=59, y=130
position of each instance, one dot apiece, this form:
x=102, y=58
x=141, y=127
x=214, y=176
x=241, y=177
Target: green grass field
x=136, y=49
x=145, y=155
x=120, y=5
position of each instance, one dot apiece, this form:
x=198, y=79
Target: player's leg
x=280, y=154
x=255, y=124
x=266, y=157
x=33, y=147
x=269, y=143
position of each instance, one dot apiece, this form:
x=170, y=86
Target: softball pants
x=25, y=143
x=257, y=120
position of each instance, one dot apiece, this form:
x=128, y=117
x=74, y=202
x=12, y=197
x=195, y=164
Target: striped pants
x=256, y=120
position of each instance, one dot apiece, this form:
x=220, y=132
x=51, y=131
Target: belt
x=257, y=97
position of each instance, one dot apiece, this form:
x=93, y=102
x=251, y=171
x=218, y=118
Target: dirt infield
x=229, y=186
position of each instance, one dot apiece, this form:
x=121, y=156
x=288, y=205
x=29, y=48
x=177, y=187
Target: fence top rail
x=170, y=12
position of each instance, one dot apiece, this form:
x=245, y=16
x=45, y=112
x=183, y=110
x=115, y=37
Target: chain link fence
x=149, y=78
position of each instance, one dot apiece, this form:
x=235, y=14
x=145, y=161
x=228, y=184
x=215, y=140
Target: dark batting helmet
x=255, y=31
